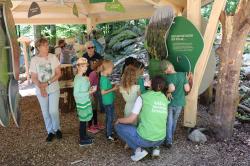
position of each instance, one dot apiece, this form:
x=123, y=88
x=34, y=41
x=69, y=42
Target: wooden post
x=190, y=111
x=194, y=12
x=91, y=24
x=26, y=61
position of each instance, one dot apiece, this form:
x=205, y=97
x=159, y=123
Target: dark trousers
x=83, y=130
x=110, y=114
x=94, y=120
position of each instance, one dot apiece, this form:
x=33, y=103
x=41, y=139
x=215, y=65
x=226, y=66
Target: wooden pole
x=26, y=61
x=91, y=24
x=190, y=111
x=194, y=12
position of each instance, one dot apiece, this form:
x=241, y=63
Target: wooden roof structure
x=61, y=11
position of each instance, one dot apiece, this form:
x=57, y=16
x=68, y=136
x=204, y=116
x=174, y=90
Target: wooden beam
x=194, y=12
x=91, y=24
x=206, y=2
x=124, y=16
x=49, y=21
x=190, y=113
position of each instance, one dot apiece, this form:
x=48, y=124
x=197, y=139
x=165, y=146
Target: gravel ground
x=26, y=145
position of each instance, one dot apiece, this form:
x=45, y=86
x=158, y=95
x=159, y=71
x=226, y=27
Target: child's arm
x=76, y=88
x=132, y=118
x=103, y=92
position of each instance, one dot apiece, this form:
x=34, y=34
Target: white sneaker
x=110, y=138
x=139, y=154
x=156, y=152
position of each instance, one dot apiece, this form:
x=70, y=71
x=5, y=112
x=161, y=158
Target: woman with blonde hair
x=45, y=72
x=129, y=88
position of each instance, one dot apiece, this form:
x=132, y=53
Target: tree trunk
x=37, y=32
x=53, y=33
x=234, y=31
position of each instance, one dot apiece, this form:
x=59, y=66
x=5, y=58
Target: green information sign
x=115, y=6
x=185, y=44
x=99, y=1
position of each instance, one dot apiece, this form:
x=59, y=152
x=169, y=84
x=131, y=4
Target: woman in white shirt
x=45, y=72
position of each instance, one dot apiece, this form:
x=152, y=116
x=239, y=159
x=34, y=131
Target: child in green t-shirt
x=108, y=96
x=82, y=93
x=177, y=85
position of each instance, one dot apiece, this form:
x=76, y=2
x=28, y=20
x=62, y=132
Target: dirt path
x=26, y=145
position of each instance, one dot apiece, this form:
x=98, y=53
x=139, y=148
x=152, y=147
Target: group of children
x=89, y=91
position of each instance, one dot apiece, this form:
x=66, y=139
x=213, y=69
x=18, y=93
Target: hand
x=189, y=76
x=92, y=89
x=169, y=96
x=190, y=79
x=43, y=92
x=116, y=87
x=117, y=122
x=43, y=85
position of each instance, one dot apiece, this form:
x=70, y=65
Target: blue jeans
x=50, y=110
x=110, y=113
x=173, y=115
x=128, y=133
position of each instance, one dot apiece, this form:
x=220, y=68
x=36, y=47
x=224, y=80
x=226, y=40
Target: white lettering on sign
x=159, y=107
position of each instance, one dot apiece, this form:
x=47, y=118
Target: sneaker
x=139, y=154
x=93, y=130
x=110, y=138
x=59, y=134
x=50, y=137
x=156, y=152
x=169, y=146
x=99, y=127
x=90, y=137
x=85, y=142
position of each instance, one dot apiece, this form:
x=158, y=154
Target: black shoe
x=85, y=142
x=50, y=137
x=90, y=137
x=59, y=134
x=169, y=146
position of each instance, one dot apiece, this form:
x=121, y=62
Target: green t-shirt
x=153, y=116
x=81, y=89
x=105, y=84
x=179, y=80
x=140, y=82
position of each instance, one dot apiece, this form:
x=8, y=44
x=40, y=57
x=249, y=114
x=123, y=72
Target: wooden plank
x=194, y=12
x=49, y=21
x=190, y=111
x=124, y=16
x=91, y=24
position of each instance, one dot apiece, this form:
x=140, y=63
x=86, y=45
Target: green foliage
x=127, y=34
x=66, y=31
x=231, y=7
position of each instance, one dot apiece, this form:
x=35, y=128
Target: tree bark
x=234, y=32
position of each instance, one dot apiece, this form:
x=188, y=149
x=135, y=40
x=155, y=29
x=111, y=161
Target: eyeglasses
x=90, y=47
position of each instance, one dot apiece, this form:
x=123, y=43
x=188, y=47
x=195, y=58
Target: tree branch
x=223, y=17
x=245, y=26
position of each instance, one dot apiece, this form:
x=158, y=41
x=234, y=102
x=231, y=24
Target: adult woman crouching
x=151, y=111
x=45, y=72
